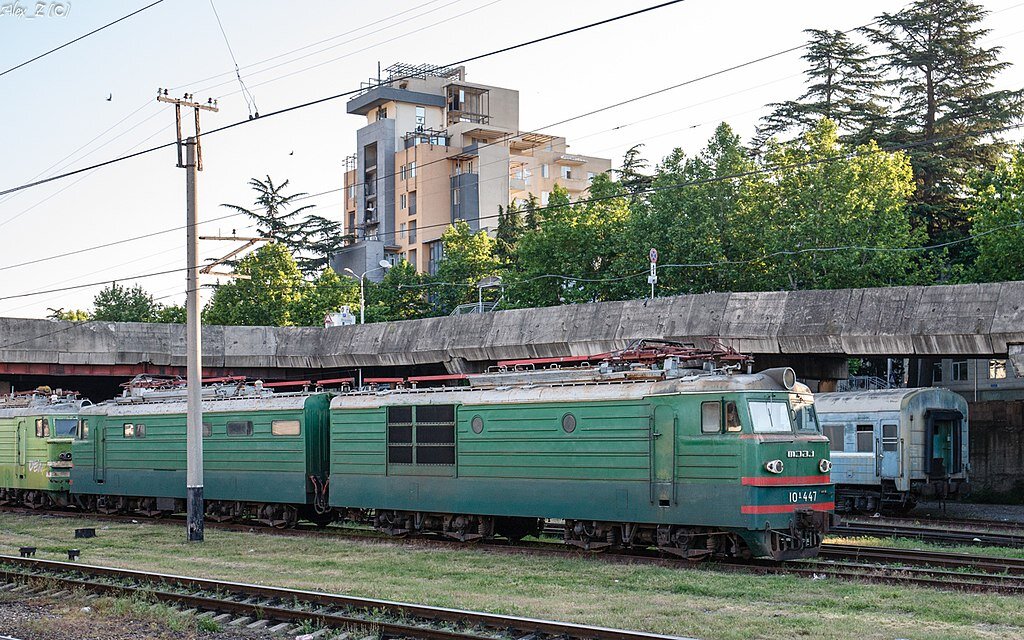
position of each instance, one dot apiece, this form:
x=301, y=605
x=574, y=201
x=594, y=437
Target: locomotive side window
x=865, y=438
x=770, y=416
x=240, y=428
x=836, y=434
x=128, y=431
x=732, y=418
x=83, y=429
x=711, y=417
x=285, y=427
x=42, y=428
x=207, y=429
x=65, y=427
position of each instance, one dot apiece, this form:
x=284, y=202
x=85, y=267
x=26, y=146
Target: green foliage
x=997, y=203
x=271, y=211
x=325, y=294
x=843, y=86
x=468, y=258
x=73, y=315
x=574, y=246
x=268, y=298
x=173, y=314
x=399, y=295
x=116, y=303
x=943, y=78
x=510, y=229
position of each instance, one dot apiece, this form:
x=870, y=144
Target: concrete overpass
x=815, y=331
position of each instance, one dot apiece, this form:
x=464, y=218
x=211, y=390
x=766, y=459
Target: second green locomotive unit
x=659, y=446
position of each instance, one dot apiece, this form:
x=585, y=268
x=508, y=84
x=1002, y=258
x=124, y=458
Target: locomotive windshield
x=65, y=427
x=804, y=415
x=770, y=416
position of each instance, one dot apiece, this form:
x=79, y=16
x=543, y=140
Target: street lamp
x=385, y=265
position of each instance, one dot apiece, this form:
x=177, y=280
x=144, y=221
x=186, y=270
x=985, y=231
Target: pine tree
x=531, y=219
x=631, y=176
x=843, y=86
x=273, y=219
x=944, y=77
x=510, y=229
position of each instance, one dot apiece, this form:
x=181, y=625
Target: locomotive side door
x=100, y=451
x=21, y=449
x=889, y=451
x=663, y=452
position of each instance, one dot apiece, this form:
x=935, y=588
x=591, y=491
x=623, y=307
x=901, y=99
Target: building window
x=421, y=117
x=351, y=192
x=412, y=259
x=412, y=169
x=401, y=230
x=590, y=176
x=567, y=173
x=382, y=113
x=402, y=172
x=412, y=203
x=455, y=197
x=412, y=231
x=865, y=438
x=961, y=370
x=544, y=173
x=436, y=253
x=401, y=200
x=544, y=198
x=937, y=372
x=997, y=369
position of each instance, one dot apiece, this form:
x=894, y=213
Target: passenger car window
x=836, y=434
x=770, y=416
x=865, y=438
x=285, y=427
x=240, y=428
x=711, y=417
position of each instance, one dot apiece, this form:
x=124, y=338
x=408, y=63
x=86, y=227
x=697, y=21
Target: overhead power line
x=81, y=37
x=250, y=100
x=348, y=93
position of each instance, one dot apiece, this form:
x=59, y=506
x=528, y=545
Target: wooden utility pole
x=193, y=338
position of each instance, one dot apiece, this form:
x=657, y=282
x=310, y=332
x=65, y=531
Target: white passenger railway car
x=892, y=447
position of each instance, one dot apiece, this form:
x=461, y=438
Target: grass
x=698, y=602
x=910, y=543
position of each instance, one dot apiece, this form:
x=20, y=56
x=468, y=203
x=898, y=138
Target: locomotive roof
x=70, y=408
x=282, y=401
x=573, y=392
x=880, y=399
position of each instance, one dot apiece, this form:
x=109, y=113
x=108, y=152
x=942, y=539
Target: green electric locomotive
x=694, y=462
x=36, y=431
x=264, y=454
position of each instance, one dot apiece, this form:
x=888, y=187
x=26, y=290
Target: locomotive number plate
x=803, y=496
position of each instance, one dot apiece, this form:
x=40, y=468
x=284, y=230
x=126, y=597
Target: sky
x=96, y=100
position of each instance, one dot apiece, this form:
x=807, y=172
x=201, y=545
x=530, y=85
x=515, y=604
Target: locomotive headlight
x=773, y=466
x=825, y=466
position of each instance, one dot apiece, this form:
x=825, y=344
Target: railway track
x=287, y=610
x=976, y=532
x=934, y=569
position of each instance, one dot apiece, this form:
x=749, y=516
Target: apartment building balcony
x=569, y=158
x=573, y=184
x=517, y=184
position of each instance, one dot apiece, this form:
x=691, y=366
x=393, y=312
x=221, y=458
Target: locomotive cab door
x=21, y=449
x=889, y=451
x=100, y=450
x=663, y=452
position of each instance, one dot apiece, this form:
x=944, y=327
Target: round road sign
x=653, y=255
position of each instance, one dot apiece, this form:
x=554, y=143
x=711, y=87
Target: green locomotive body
x=724, y=464
x=263, y=457
x=36, y=432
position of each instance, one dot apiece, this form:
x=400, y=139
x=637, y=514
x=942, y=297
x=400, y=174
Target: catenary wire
x=81, y=37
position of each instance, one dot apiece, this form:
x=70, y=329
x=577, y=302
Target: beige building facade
x=436, y=149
